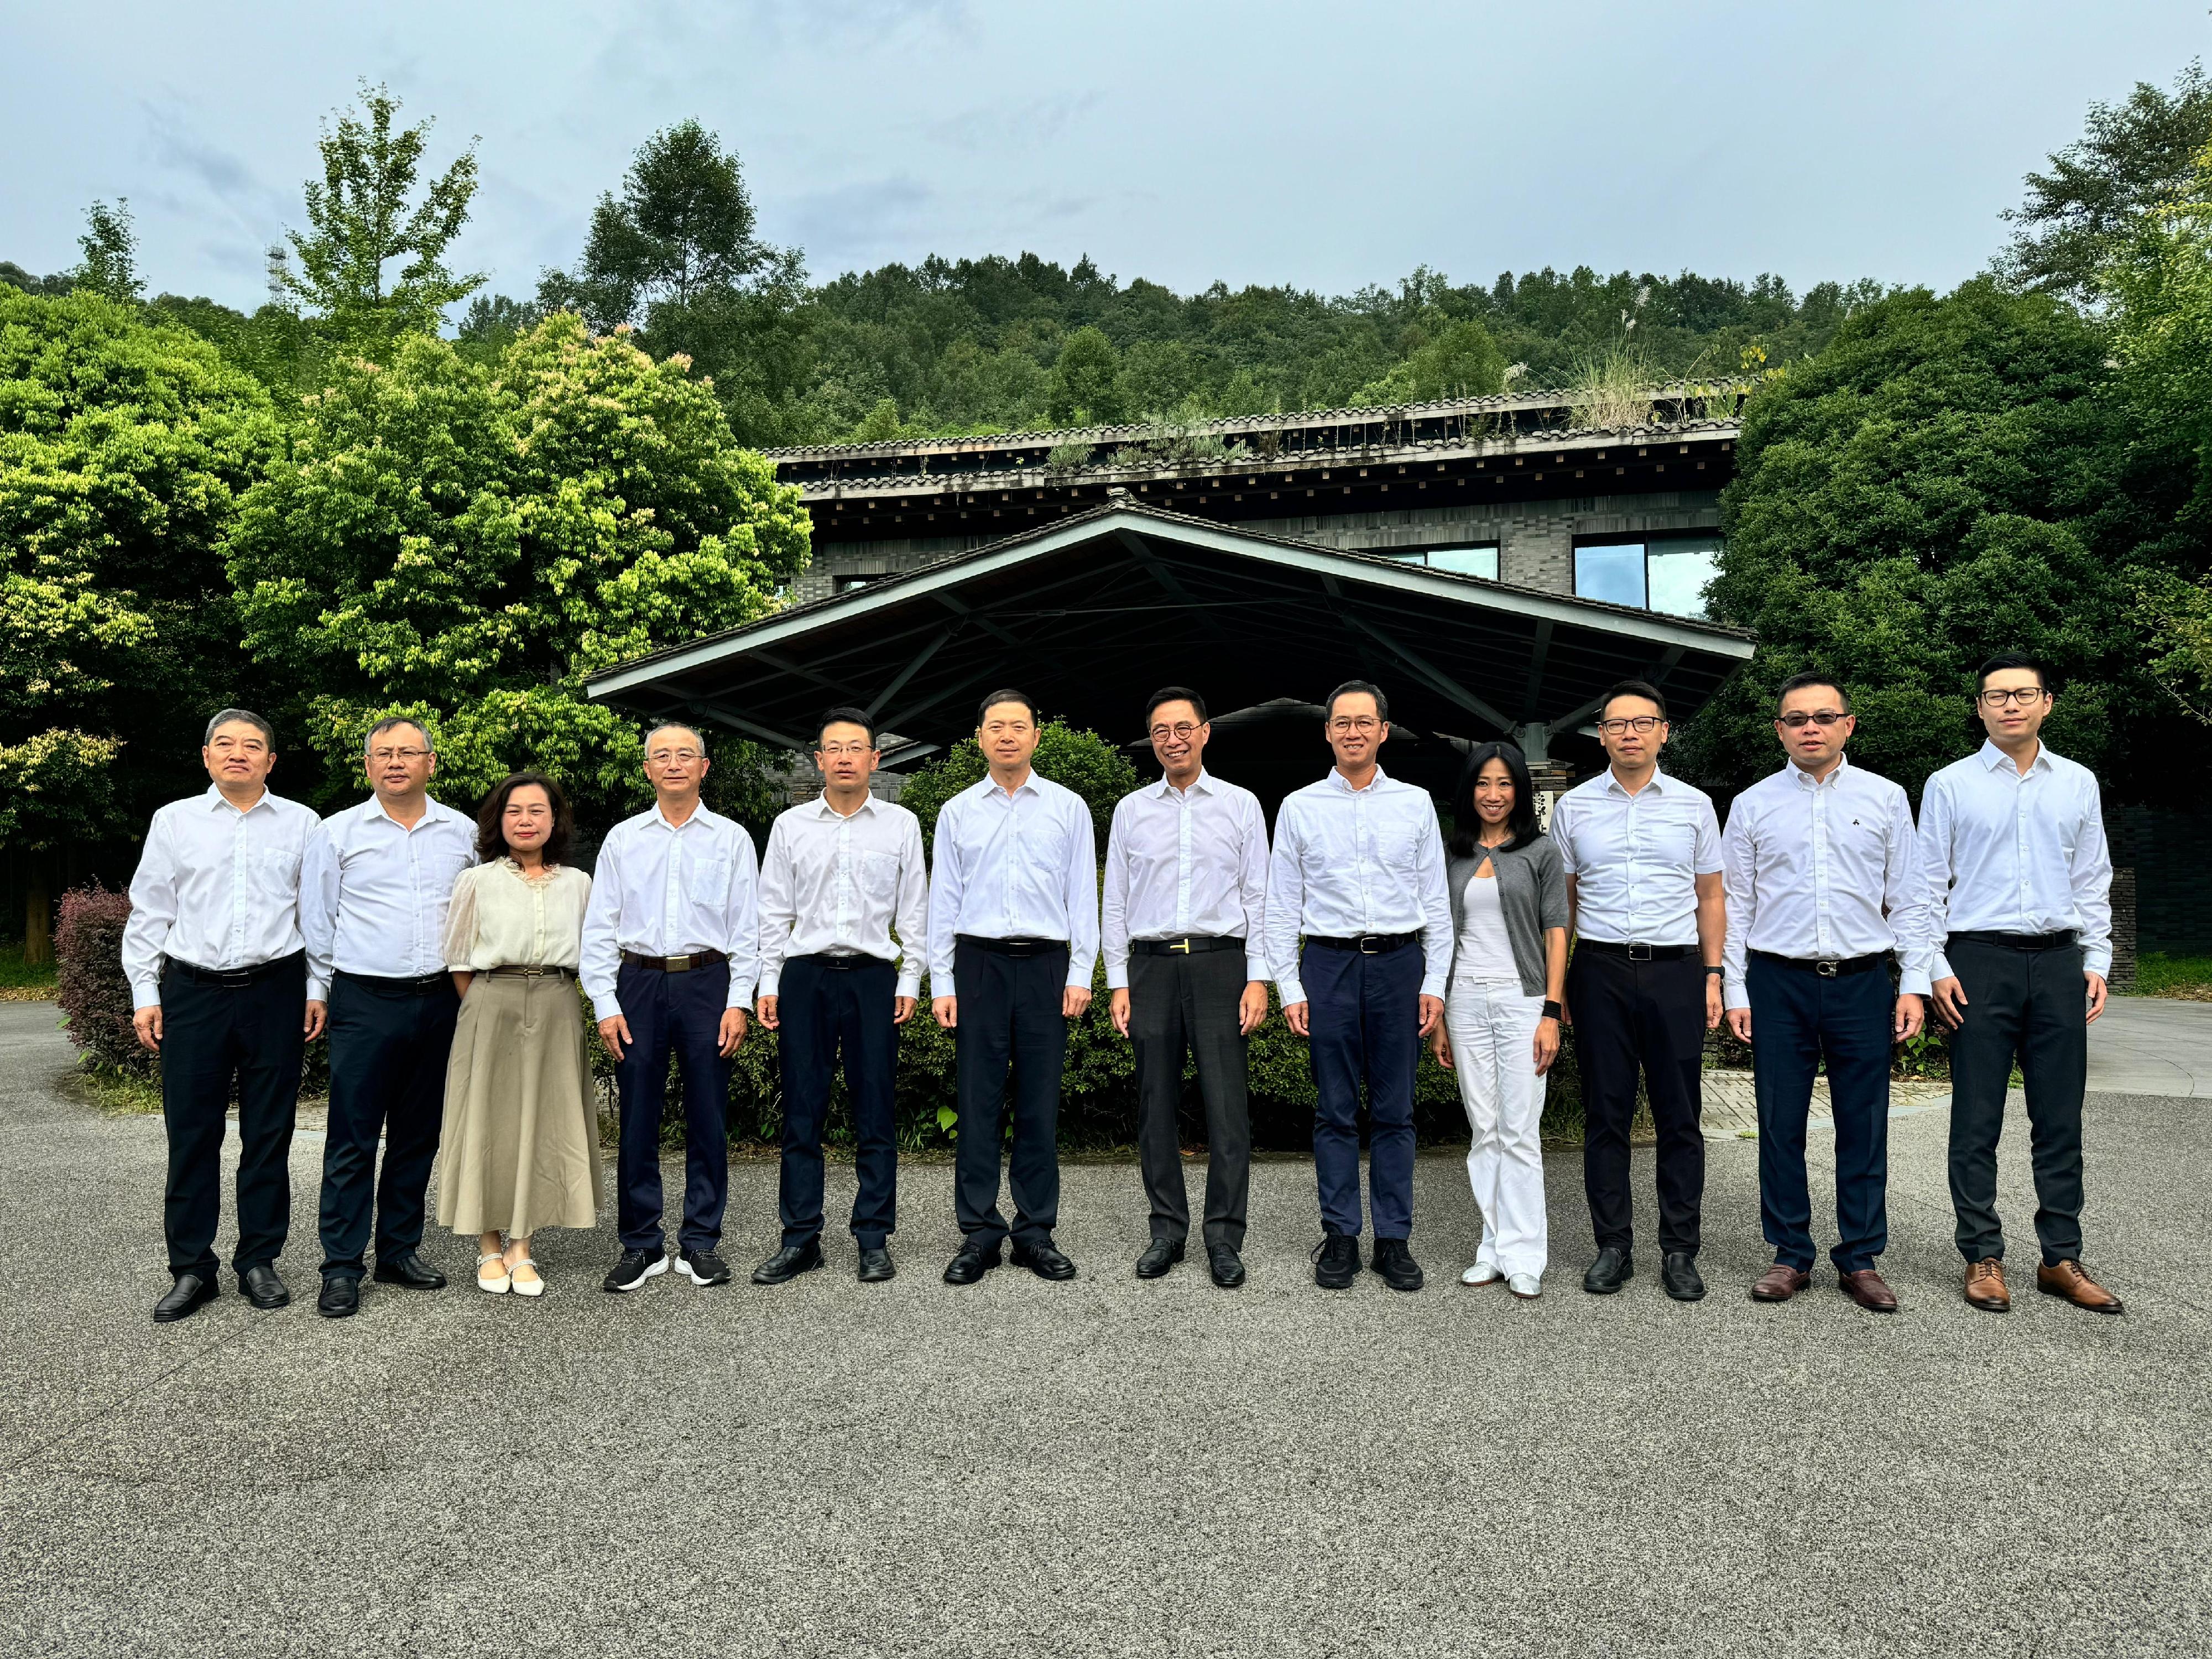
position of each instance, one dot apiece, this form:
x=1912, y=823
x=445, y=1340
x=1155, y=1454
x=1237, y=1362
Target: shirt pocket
x=1044, y=842
x=1397, y=847
x=1669, y=843
x=278, y=866
x=878, y=875
x=707, y=880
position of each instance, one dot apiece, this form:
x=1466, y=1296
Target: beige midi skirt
x=520, y=1147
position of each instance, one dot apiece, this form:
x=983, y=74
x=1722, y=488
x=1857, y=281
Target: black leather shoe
x=971, y=1264
x=1614, y=1269
x=1225, y=1265
x=186, y=1298
x=876, y=1266
x=1395, y=1263
x=1045, y=1259
x=788, y=1263
x=1159, y=1256
x=341, y=1296
x=1677, y=1272
x=1336, y=1261
x=409, y=1269
x=263, y=1288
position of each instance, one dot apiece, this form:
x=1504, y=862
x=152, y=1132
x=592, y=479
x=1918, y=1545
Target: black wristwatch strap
x=1551, y=1010
x=1717, y=972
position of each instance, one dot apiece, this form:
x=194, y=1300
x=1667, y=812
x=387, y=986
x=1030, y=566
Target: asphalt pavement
x=1105, y=1467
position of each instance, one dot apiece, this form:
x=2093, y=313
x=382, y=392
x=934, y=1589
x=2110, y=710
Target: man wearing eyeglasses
x=1185, y=904
x=373, y=886
x=671, y=941
x=1822, y=876
x=1643, y=858
x=2012, y=840
x=841, y=871
x=1359, y=871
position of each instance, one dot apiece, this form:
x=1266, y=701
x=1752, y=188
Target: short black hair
x=1381, y=702
x=1174, y=694
x=1007, y=694
x=224, y=717
x=1799, y=682
x=2011, y=660
x=1467, y=822
x=1642, y=688
x=859, y=717
x=491, y=838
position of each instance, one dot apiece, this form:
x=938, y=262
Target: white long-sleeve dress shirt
x=372, y=892
x=1823, y=869
x=666, y=889
x=1636, y=859
x=2004, y=853
x=1024, y=865
x=838, y=884
x=1186, y=862
x=1352, y=862
x=215, y=887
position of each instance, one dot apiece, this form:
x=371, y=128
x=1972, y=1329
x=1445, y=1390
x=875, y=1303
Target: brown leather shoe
x=1779, y=1283
x=2068, y=1282
x=1865, y=1288
x=1985, y=1285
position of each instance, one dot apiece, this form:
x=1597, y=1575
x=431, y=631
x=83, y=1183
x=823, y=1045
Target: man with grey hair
x=372, y=896
x=218, y=973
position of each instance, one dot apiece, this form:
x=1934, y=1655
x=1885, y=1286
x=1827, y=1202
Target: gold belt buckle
x=1180, y=944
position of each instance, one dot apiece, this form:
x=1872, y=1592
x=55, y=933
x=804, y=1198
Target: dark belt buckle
x=1827, y=968
x=1638, y=953
x=1181, y=946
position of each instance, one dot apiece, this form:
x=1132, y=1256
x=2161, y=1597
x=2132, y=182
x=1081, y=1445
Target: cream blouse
x=500, y=917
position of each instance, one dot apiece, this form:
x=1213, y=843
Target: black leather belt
x=1185, y=945
x=1368, y=944
x=233, y=977
x=1614, y=947
x=1826, y=966
x=675, y=964
x=2064, y=941
x=421, y=985
x=1012, y=947
x=844, y=960
x=522, y=970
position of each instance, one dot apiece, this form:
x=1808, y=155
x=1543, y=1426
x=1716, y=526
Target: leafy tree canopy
x=110, y=244
x=1074, y=759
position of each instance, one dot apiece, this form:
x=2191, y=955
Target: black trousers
x=1010, y=1019
x=822, y=1008
x=679, y=1014
x=215, y=1037
x=1181, y=1005
x=2031, y=1005
x=1647, y=1016
x=390, y=1041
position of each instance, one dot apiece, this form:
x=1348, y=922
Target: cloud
x=1042, y=121
x=254, y=206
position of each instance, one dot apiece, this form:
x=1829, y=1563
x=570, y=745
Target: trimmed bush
x=92, y=991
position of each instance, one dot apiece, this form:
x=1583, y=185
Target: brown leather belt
x=675, y=964
x=517, y=970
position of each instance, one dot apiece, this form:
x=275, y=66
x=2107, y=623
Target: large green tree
x=469, y=544
x=124, y=449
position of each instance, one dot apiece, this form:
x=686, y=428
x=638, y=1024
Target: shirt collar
x=1374, y=783
x=432, y=811
x=988, y=785
x=823, y=810
x=1659, y=780
x=1805, y=779
x=215, y=798
x=1200, y=785
x=1992, y=757
x=700, y=814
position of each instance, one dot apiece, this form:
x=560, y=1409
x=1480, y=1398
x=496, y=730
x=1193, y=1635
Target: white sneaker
x=1481, y=1273
x=1525, y=1285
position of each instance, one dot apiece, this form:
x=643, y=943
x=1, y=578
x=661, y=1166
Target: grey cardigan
x=1532, y=890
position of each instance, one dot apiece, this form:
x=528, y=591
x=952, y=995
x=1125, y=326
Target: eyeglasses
x=1346, y=724
x=662, y=756
x=385, y=756
x=841, y=750
x=1181, y=731
x=1999, y=698
x=1613, y=728
x=1798, y=721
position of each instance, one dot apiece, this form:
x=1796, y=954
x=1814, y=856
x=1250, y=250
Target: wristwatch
x=1551, y=1010
x=1717, y=972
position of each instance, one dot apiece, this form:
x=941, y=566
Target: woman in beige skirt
x=520, y=1147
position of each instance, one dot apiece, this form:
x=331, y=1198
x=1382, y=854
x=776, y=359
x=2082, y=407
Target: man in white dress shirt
x=1183, y=924
x=1358, y=870
x=218, y=975
x=1013, y=935
x=669, y=955
x=2019, y=882
x=1822, y=875
x=1643, y=857
x=842, y=871
x=373, y=894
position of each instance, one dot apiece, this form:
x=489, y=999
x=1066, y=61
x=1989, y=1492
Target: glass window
x=1666, y=573
x=1611, y=571
x=1475, y=559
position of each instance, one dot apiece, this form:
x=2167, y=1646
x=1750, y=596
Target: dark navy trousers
x=390, y=1041
x=678, y=1014
x=1011, y=1031
x=823, y=1007
x=1799, y=1019
x=1364, y=1016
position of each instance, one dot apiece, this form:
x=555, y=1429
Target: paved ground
x=2144, y=1046
x=1104, y=1467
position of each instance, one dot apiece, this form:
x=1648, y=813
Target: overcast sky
x=1326, y=146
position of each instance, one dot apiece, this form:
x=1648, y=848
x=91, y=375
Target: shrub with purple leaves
x=93, y=993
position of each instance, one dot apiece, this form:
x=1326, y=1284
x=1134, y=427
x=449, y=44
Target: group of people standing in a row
x=441, y=956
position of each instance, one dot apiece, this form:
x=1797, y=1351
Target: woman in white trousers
x=1500, y=1032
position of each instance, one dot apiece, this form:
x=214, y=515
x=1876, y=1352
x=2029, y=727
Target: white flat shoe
x=532, y=1285
x=1526, y=1286
x=1481, y=1273
x=500, y=1286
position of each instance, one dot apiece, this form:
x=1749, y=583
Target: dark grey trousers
x=2034, y=1004
x=1180, y=1005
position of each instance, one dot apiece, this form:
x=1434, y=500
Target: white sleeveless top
x=1485, y=953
